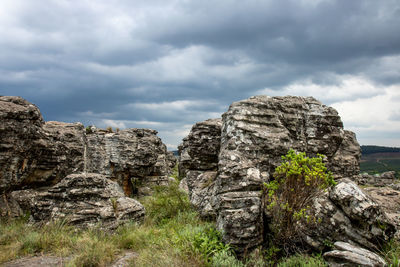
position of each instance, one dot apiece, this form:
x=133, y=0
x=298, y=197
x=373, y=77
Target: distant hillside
x=378, y=159
x=366, y=150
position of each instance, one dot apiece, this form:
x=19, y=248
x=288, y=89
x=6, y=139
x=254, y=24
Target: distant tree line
x=365, y=150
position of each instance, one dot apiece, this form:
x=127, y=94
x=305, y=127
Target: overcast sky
x=165, y=65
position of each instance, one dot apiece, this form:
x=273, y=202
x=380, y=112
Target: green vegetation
x=297, y=181
x=378, y=159
x=366, y=150
x=172, y=234
x=392, y=253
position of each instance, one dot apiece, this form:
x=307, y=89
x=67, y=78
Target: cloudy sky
x=165, y=64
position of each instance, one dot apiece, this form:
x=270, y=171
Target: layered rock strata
x=346, y=254
x=198, y=163
x=35, y=154
x=84, y=199
x=347, y=214
x=255, y=133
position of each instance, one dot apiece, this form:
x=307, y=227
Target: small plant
x=209, y=242
x=391, y=253
x=287, y=199
x=109, y=129
x=114, y=204
x=88, y=130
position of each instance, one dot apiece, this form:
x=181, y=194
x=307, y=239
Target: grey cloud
x=73, y=57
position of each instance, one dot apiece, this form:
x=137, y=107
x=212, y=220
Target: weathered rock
x=255, y=134
x=36, y=154
x=389, y=200
x=133, y=157
x=201, y=193
x=347, y=214
x=183, y=185
x=383, y=179
x=350, y=255
x=85, y=199
x=200, y=149
x=198, y=162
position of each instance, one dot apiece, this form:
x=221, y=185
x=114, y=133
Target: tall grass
x=172, y=234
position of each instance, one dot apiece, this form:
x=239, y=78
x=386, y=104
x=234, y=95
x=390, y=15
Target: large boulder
x=347, y=214
x=35, y=154
x=256, y=132
x=346, y=254
x=85, y=200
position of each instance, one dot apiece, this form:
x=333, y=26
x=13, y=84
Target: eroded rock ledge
x=38, y=155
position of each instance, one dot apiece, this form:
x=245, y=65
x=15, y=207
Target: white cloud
x=347, y=87
x=113, y=123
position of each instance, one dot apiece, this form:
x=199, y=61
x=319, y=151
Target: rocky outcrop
x=35, y=154
x=346, y=254
x=349, y=215
x=256, y=132
x=135, y=158
x=198, y=164
x=379, y=180
x=388, y=199
x=84, y=200
x=199, y=150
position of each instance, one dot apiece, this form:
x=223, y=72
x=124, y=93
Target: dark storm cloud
x=168, y=64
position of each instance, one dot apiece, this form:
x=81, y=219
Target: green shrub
x=166, y=203
x=208, y=242
x=287, y=199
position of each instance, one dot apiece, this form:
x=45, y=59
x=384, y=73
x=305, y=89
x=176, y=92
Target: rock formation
x=84, y=199
x=346, y=254
x=35, y=154
x=255, y=133
x=347, y=214
x=198, y=163
x=378, y=180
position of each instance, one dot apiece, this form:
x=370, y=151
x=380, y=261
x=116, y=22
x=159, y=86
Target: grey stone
x=200, y=149
x=35, y=154
x=349, y=215
x=85, y=200
x=256, y=132
x=346, y=254
x=383, y=179
x=198, y=162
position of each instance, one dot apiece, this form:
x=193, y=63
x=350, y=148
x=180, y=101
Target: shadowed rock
x=82, y=199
